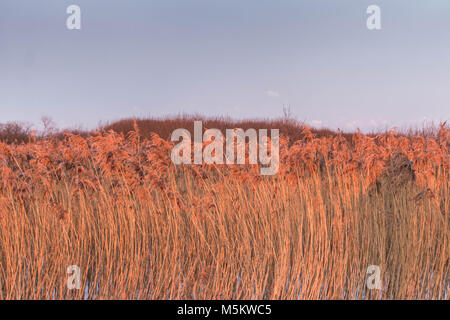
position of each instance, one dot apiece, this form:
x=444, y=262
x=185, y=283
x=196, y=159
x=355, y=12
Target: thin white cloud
x=272, y=93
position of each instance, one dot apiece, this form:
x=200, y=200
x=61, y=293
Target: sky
x=236, y=58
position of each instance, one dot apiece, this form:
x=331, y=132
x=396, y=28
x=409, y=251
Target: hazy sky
x=240, y=58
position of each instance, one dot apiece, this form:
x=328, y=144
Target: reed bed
x=140, y=227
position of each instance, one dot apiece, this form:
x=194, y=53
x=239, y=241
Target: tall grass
x=142, y=228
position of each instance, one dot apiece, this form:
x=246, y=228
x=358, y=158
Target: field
x=140, y=227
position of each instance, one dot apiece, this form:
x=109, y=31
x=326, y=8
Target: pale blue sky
x=240, y=58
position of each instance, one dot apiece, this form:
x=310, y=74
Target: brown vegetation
x=141, y=228
x=165, y=126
